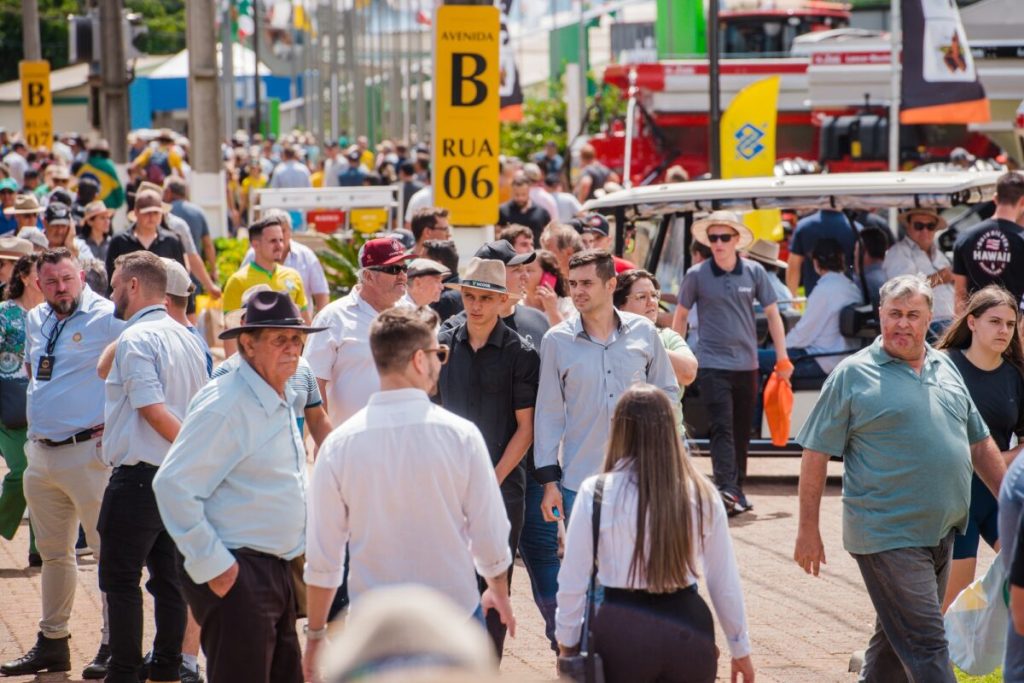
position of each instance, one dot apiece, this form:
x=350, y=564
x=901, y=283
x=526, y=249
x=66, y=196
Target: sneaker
x=35, y=560
x=190, y=676
x=733, y=506
x=96, y=670
x=744, y=502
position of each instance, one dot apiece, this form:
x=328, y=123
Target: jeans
x=729, y=396
x=906, y=586
x=538, y=548
x=568, y=501
x=133, y=536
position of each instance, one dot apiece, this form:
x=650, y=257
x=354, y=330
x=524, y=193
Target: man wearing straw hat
x=26, y=211
x=146, y=234
x=726, y=287
x=917, y=254
x=767, y=254
x=491, y=380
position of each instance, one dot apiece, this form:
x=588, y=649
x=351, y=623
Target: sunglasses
x=390, y=270
x=930, y=227
x=442, y=352
x=724, y=238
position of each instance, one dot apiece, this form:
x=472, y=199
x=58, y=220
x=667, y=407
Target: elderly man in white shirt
x=917, y=254
x=406, y=474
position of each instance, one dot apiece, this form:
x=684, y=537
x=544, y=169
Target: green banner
x=680, y=29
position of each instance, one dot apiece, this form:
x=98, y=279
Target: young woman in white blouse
x=652, y=624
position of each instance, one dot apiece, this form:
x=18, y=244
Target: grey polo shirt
x=728, y=331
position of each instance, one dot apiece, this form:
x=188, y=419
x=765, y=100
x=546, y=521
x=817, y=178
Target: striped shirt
x=303, y=383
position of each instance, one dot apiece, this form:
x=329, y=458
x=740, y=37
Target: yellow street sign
x=36, y=103
x=466, y=103
x=368, y=221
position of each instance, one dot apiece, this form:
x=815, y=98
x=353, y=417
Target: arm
x=106, y=361
x=660, y=372
x=810, y=551
x=161, y=420
x=487, y=524
x=723, y=577
x=989, y=464
x=583, y=187
x=679, y=320
x=199, y=270
x=574, y=574
x=795, y=262
x=322, y=385
x=1016, y=583
x=960, y=293
x=549, y=427
x=319, y=301
x=778, y=333
x=684, y=365
x=517, y=446
x=210, y=254
x=319, y=424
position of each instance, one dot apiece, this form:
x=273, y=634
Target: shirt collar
x=268, y=273
x=396, y=396
x=882, y=357
x=717, y=272
x=265, y=394
x=577, y=323
x=495, y=338
x=88, y=302
x=914, y=246
x=144, y=311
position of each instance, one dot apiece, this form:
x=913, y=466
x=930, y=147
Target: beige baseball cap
x=178, y=281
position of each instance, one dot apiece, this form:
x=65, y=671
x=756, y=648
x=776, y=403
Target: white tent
x=244, y=62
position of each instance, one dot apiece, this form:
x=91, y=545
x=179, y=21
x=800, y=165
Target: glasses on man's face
x=644, y=297
x=930, y=226
x=390, y=270
x=442, y=352
x=723, y=237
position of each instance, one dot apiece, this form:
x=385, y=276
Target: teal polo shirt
x=905, y=439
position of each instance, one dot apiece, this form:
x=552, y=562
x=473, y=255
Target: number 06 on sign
x=466, y=103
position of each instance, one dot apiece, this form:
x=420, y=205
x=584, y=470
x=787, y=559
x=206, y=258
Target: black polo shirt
x=534, y=217
x=487, y=386
x=528, y=322
x=166, y=244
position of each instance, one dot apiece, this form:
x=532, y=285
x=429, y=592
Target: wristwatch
x=314, y=634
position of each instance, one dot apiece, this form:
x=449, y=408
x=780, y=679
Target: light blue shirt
x=818, y=328
x=157, y=360
x=235, y=477
x=581, y=380
x=68, y=402
x=290, y=174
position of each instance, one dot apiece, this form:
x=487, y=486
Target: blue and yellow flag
x=748, y=146
x=102, y=171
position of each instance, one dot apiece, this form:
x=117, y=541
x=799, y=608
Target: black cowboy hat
x=270, y=310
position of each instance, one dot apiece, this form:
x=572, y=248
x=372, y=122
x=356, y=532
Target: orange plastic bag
x=778, y=407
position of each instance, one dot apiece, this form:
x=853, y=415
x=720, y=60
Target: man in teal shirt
x=899, y=415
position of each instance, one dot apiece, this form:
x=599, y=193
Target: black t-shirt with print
x=992, y=252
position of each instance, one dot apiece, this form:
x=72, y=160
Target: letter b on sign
x=36, y=97
x=467, y=88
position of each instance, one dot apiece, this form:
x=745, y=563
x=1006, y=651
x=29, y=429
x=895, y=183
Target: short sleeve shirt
x=728, y=330
x=282, y=279
x=992, y=252
x=905, y=439
x=810, y=229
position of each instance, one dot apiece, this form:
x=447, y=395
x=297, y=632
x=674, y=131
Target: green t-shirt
x=905, y=440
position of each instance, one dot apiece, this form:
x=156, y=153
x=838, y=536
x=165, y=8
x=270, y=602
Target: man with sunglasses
x=409, y=487
x=917, y=254
x=491, y=380
x=726, y=287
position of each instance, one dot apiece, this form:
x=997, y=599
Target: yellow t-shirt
x=253, y=183
x=283, y=279
x=317, y=179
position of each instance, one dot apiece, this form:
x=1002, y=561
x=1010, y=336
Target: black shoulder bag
x=587, y=667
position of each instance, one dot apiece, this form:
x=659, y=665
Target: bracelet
x=314, y=634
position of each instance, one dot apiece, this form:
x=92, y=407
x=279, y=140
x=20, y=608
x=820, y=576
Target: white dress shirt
x=818, y=328
x=157, y=360
x=617, y=539
x=411, y=489
x=906, y=258
x=341, y=355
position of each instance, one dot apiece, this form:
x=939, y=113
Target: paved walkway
x=803, y=629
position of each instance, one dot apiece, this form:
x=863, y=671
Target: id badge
x=45, y=370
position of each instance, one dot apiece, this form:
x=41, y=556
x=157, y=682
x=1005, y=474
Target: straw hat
x=766, y=252
x=485, y=274
x=96, y=208
x=931, y=213
x=726, y=218
x=24, y=204
x=13, y=248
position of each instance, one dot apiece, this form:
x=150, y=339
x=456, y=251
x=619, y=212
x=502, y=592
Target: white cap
x=178, y=281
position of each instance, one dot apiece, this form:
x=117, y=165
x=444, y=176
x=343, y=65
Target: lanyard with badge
x=45, y=369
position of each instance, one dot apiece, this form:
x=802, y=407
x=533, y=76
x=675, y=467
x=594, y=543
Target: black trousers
x=664, y=637
x=249, y=634
x=513, y=492
x=132, y=536
x=729, y=396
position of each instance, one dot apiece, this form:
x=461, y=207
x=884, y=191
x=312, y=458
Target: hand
x=548, y=298
x=743, y=667
x=784, y=367
x=220, y=585
x=309, y=660
x=810, y=551
x=552, y=501
x=501, y=604
x=214, y=292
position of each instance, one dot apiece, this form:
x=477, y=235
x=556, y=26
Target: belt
x=80, y=437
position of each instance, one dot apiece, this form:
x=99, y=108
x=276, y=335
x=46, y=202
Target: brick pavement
x=803, y=629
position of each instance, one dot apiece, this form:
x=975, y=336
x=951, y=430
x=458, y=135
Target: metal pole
x=896, y=41
x=203, y=112
x=406, y=85
x=627, y=163
x=421, y=115
x=582, y=58
x=332, y=22
x=31, y=45
x=256, y=114
x=114, y=80
x=227, y=68
x=714, y=92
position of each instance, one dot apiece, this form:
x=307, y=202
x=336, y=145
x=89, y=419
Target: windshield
x=770, y=37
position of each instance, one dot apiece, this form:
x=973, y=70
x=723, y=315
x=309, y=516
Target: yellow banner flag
x=748, y=146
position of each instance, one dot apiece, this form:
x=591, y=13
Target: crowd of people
x=458, y=416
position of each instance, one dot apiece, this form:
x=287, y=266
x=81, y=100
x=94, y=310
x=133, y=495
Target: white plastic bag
x=976, y=623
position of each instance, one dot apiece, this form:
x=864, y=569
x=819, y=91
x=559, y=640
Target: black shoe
x=35, y=560
x=190, y=676
x=733, y=506
x=48, y=654
x=97, y=668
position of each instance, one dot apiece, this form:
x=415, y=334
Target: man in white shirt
x=335, y=164
x=404, y=468
x=17, y=163
x=917, y=254
x=290, y=172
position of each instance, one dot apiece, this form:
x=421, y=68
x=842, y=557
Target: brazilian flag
x=102, y=170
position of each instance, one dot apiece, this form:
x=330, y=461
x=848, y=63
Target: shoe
x=97, y=668
x=82, y=548
x=48, y=654
x=733, y=506
x=35, y=560
x=744, y=502
x=190, y=676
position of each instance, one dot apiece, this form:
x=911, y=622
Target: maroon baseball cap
x=383, y=251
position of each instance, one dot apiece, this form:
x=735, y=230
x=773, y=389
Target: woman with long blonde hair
x=985, y=345
x=663, y=525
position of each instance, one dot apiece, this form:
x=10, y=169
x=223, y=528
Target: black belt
x=249, y=552
x=80, y=437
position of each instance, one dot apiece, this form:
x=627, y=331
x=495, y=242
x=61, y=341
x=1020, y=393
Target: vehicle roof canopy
x=861, y=191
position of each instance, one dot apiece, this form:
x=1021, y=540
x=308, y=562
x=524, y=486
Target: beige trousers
x=63, y=486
